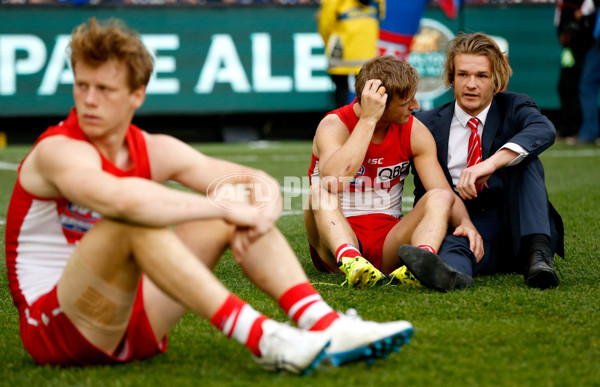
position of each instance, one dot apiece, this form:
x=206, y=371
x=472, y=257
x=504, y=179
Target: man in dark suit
x=488, y=143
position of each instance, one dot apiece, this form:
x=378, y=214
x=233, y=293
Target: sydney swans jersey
x=41, y=233
x=378, y=185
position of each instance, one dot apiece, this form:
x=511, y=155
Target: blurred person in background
x=95, y=268
x=350, y=29
x=574, y=20
x=398, y=28
x=488, y=143
x=589, y=87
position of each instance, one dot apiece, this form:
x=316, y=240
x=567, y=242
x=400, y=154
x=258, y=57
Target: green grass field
x=500, y=333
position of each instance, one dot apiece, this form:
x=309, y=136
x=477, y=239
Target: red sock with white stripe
x=306, y=307
x=237, y=319
x=346, y=250
x=428, y=248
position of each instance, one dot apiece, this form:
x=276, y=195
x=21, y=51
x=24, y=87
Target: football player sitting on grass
x=97, y=271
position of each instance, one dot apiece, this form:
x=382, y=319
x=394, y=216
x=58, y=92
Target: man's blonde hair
x=95, y=44
x=399, y=78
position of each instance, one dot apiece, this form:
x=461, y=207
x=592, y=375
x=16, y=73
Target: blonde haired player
x=96, y=270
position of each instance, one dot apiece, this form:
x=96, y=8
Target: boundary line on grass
x=8, y=166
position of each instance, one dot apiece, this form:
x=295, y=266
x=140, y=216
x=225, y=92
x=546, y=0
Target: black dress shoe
x=431, y=271
x=540, y=271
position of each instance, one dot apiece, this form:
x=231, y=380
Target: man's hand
x=250, y=201
x=478, y=174
x=372, y=100
x=244, y=237
x=251, y=223
x=473, y=176
x=475, y=240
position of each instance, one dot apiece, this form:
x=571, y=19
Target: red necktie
x=474, y=155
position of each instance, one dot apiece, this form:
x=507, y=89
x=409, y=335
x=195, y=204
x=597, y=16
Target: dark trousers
x=589, y=87
x=342, y=91
x=503, y=216
x=570, y=107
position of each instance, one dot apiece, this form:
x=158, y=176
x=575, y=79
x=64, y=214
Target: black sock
x=535, y=242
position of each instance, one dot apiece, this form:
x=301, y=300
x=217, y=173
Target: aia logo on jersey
x=77, y=220
x=358, y=178
x=391, y=172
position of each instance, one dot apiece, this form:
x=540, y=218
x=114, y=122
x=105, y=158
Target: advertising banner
x=247, y=59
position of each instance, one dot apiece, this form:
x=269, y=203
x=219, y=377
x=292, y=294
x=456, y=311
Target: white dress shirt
x=458, y=141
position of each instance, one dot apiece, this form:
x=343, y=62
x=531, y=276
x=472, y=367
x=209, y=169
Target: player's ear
x=138, y=96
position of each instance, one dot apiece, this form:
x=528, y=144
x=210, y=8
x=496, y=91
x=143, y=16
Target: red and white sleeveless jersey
x=41, y=233
x=379, y=183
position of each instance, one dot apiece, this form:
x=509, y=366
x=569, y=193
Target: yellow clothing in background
x=350, y=31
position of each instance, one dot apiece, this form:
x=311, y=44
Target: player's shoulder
x=331, y=119
x=418, y=129
x=162, y=143
x=52, y=156
x=157, y=138
x=331, y=125
x=59, y=146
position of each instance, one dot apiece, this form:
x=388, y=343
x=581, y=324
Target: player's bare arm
x=59, y=166
x=432, y=176
x=330, y=137
x=220, y=180
x=176, y=161
x=341, y=154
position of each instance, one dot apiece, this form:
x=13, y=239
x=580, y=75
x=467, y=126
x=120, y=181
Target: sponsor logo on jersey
x=390, y=172
x=77, y=220
x=358, y=178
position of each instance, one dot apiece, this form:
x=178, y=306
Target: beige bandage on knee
x=97, y=308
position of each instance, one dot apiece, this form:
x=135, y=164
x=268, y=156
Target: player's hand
x=240, y=242
x=239, y=214
x=244, y=237
x=475, y=240
x=373, y=100
x=252, y=222
x=471, y=177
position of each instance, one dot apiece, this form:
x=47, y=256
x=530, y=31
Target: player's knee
x=129, y=233
x=112, y=229
x=145, y=231
x=205, y=238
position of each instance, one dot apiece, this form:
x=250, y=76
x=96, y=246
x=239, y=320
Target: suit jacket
x=512, y=117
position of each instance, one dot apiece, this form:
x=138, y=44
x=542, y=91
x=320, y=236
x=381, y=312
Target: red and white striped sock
x=237, y=319
x=428, y=248
x=306, y=307
x=346, y=250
